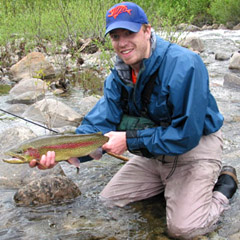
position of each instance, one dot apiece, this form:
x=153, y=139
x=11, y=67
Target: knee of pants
x=180, y=229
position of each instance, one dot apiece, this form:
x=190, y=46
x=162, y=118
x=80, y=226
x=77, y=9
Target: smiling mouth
x=126, y=51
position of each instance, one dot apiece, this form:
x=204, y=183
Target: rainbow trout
x=65, y=146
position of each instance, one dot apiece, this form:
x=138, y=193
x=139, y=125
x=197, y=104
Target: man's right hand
x=48, y=161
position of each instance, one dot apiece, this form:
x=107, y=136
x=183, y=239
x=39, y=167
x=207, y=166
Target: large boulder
x=32, y=65
x=53, y=113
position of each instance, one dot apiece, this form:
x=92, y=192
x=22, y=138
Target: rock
x=231, y=80
x=188, y=27
x=87, y=103
x=53, y=113
x=29, y=84
x=192, y=42
x=235, y=61
x=215, y=26
x=65, y=129
x=206, y=27
x=47, y=190
x=28, y=91
x=11, y=136
x=230, y=25
x=222, y=26
x=26, y=98
x=60, y=86
x=222, y=56
x=235, y=236
x=17, y=109
x=237, y=27
x=33, y=65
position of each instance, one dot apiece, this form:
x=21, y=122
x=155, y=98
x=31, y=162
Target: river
x=86, y=218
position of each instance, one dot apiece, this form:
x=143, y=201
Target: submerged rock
x=47, y=190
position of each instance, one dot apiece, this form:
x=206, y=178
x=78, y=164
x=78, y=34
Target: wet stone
x=47, y=190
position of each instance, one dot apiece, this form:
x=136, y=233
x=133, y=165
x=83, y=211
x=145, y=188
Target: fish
x=118, y=10
x=65, y=146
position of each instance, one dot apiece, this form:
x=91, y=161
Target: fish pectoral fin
x=74, y=161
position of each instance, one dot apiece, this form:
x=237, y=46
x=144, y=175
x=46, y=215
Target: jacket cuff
x=133, y=141
x=85, y=159
x=131, y=133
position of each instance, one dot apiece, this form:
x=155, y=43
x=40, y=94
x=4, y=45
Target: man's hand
x=48, y=161
x=117, y=142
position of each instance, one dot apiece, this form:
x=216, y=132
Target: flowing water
x=86, y=217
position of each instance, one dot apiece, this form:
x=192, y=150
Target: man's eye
x=128, y=33
x=114, y=36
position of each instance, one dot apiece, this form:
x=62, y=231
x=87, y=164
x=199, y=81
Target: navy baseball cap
x=126, y=15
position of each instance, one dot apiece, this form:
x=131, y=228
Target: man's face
x=131, y=47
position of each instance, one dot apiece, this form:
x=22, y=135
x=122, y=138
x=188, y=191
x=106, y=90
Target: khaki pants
x=191, y=206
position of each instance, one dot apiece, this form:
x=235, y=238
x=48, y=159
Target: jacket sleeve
x=106, y=114
x=186, y=80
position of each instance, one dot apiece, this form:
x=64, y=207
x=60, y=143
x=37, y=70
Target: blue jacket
x=181, y=96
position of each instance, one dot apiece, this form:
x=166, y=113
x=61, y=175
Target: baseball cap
x=126, y=15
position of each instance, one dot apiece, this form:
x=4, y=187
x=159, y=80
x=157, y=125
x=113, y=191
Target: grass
x=61, y=20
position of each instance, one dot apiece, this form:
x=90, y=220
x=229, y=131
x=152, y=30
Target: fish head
x=19, y=155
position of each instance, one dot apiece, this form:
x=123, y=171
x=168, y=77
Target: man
x=157, y=105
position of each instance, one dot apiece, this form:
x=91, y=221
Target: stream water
x=86, y=218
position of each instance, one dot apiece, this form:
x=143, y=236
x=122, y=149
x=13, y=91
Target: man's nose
x=122, y=41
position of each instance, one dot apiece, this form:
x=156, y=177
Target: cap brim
x=133, y=27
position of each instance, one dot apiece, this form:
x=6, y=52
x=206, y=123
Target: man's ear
x=148, y=31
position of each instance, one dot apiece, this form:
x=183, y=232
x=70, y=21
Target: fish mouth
x=14, y=156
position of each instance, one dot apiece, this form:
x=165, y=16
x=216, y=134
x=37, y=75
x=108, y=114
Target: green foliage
x=224, y=11
x=67, y=20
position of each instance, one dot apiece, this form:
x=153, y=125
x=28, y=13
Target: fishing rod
x=51, y=130
x=27, y=120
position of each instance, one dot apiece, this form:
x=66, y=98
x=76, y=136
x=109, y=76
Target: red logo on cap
x=118, y=10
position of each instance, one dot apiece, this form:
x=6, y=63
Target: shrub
x=224, y=11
